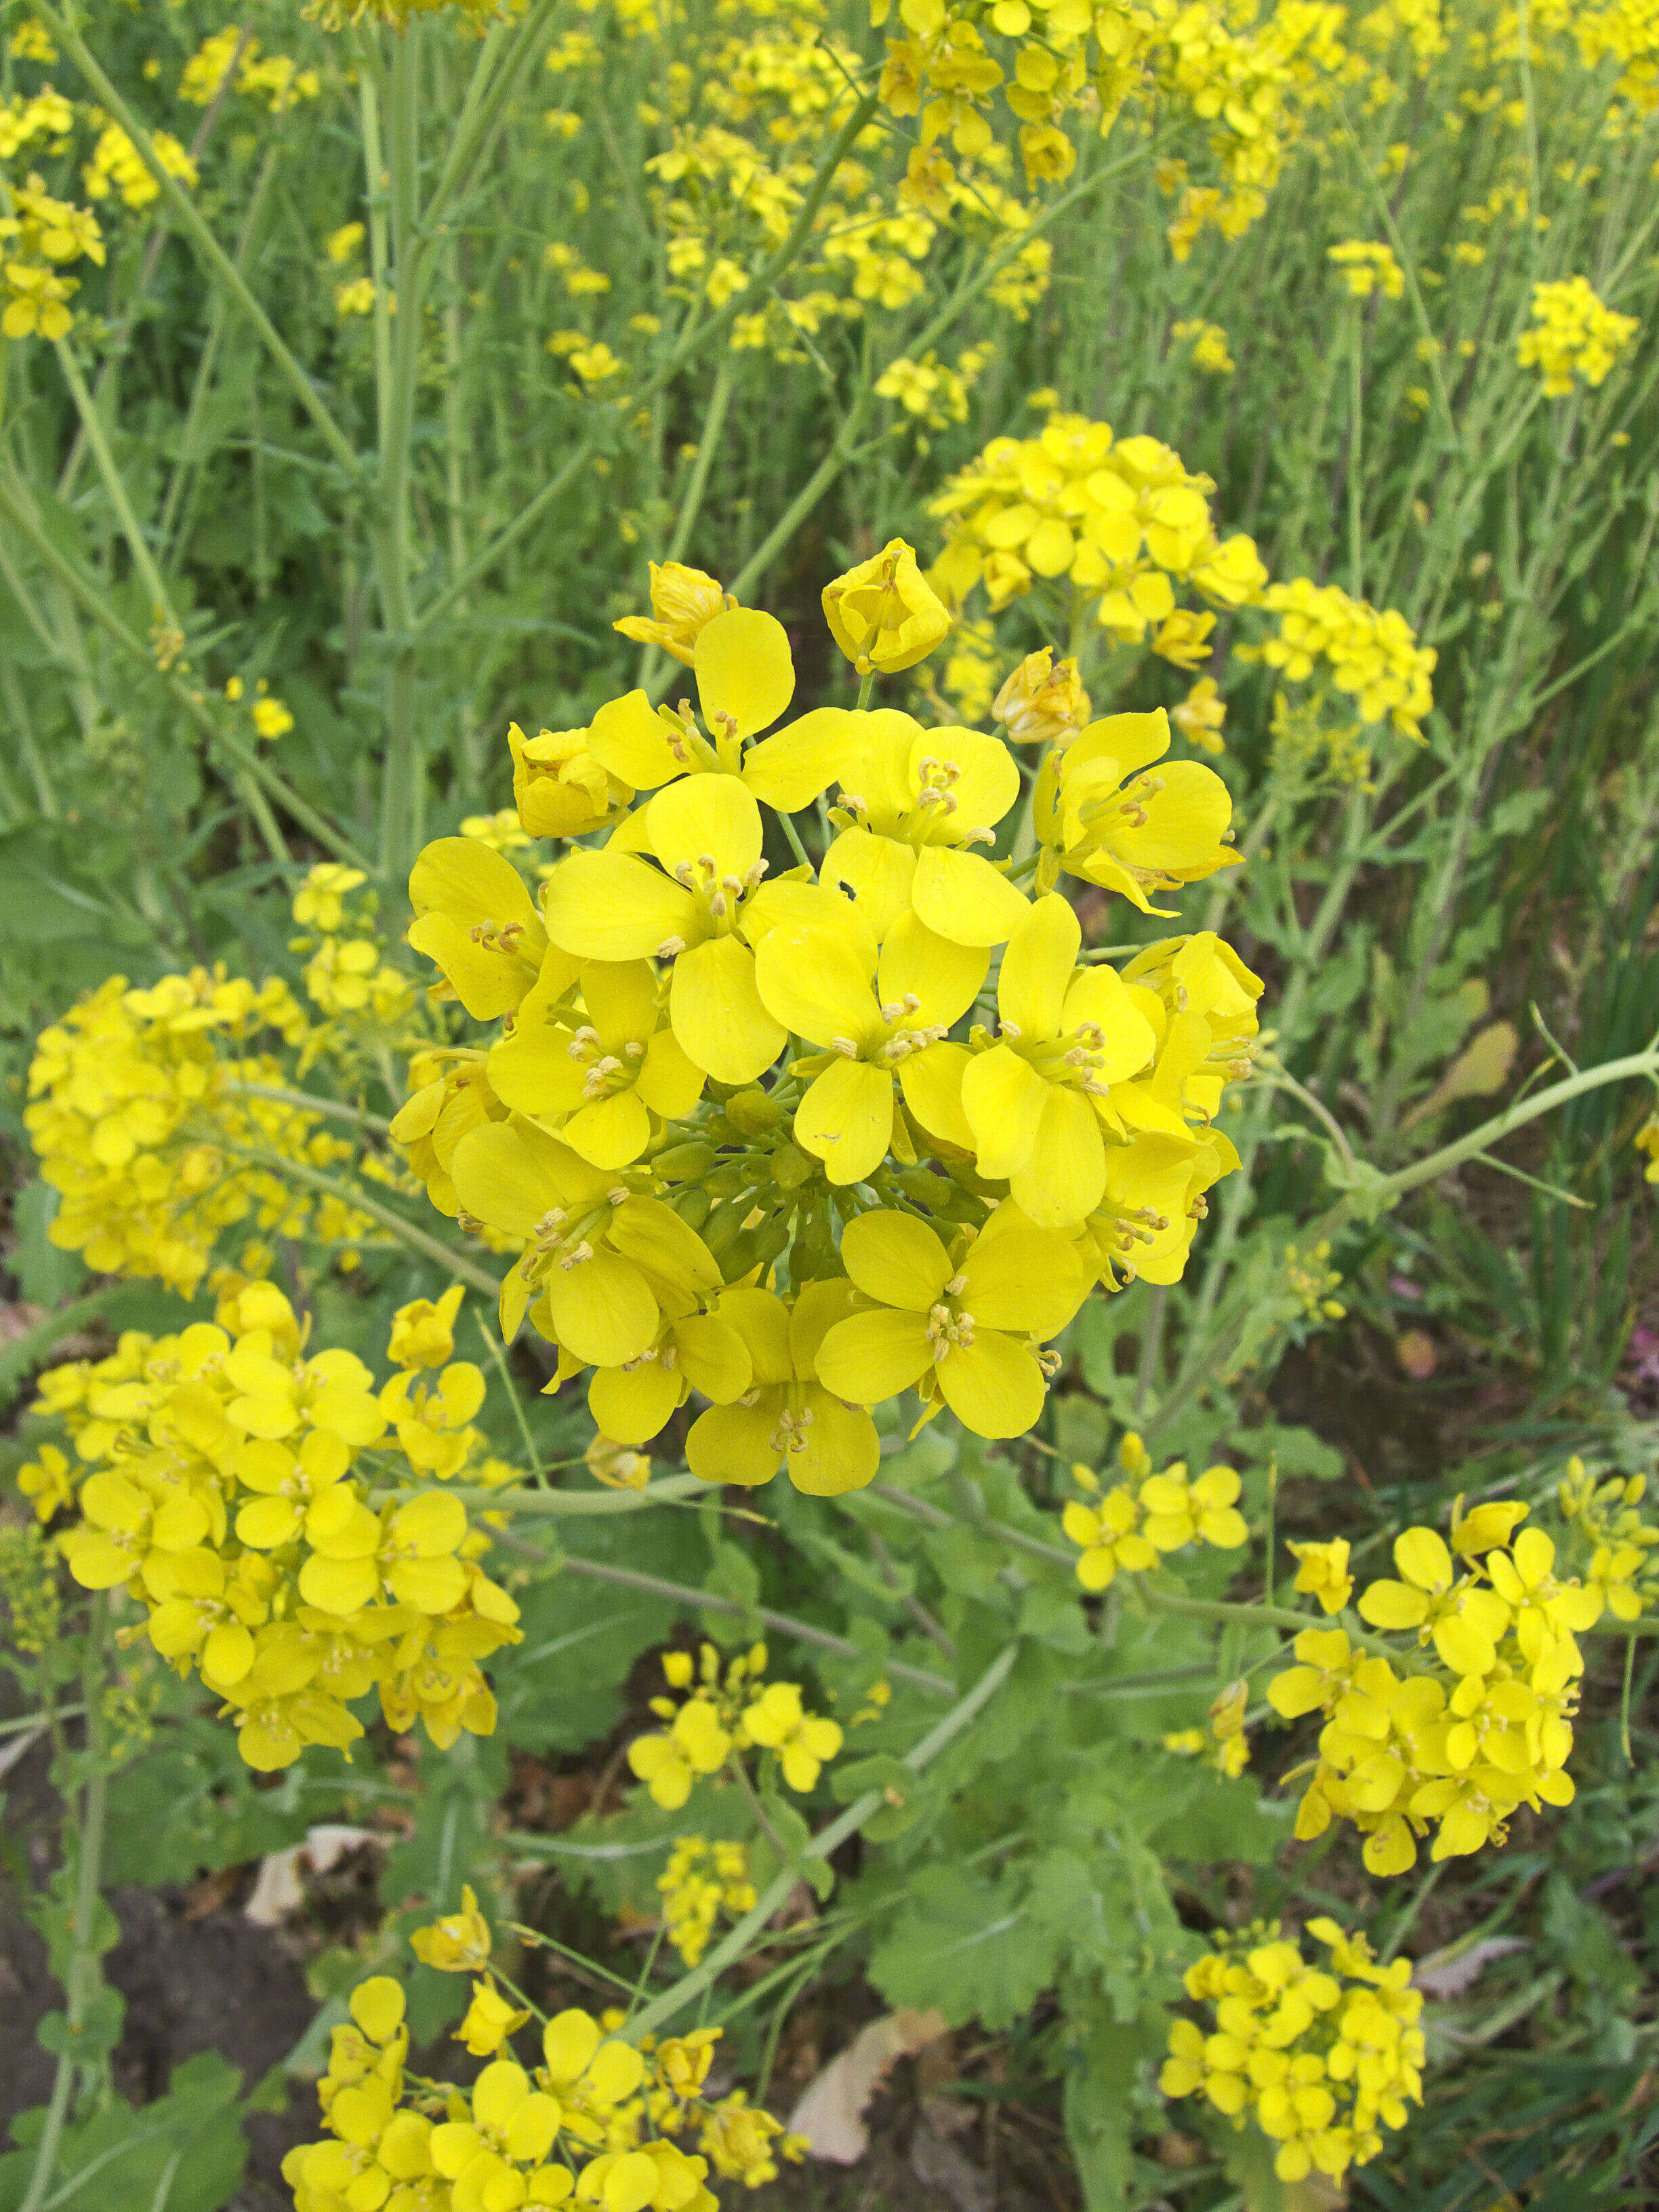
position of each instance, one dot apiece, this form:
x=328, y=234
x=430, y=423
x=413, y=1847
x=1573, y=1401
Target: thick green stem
x=562, y=1502
x=309, y=1178
x=733, y=1945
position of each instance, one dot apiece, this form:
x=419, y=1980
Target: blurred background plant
x=354, y=371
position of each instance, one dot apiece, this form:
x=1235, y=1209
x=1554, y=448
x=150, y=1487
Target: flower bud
x=883, y=614
x=1040, y=704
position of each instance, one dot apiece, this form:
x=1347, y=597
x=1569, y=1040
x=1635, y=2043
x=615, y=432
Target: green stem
x=333, y=1109
x=309, y=1178
x=80, y=1979
x=720, y=400
x=686, y=1594
x=16, y=508
x=583, y=1501
x=732, y=1947
x=190, y=222
x=92, y=425
x=1355, y=425
x=866, y=685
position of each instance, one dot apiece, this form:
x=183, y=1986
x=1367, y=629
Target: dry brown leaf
x=1481, y=1068
x=830, y=2110
x=279, y=1890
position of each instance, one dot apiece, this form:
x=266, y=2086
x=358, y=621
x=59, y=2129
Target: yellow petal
x=510, y=1174
x=612, y=1131
x=896, y=1259
x=987, y=775
x=713, y=1357
x=1023, y=1278
x=631, y=1404
x=459, y=877
x=667, y=1082
x=791, y=769
x=705, y=817
x=846, y=1119
x=1101, y=996
x=945, y=977
x=931, y=1083
x=842, y=1450
x=1064, y=1178
x=1003, y=1100
x=1037, y=968
x=628, y=738
x=732, y=1443
x=745, y=677
x=993, y=1385
x=602, y=1310
x=716, y=1009
x=959, y=895
x=878, y=871
x=872, y=1356
x=613, y=906
x=817, y=984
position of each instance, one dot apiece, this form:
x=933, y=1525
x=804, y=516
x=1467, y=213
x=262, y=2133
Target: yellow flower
x=1321, y=1571
x=474, y=917
x=1103, y=817
x=458, y=1944
x=683, y=602
x=787, y=1417
x=1180, y=1512
x=605, y=1074
x=803, y=1741
x=912, y=803
x=965, y=1326
x=1037, y=1100
x=668, y=1763
x=560, y=786
x=883, y=614
x=422, y=1334
x=1464, y=1621
x=1109, y=1536
x=490, y=2019
x=1040, y=704
x=878, y=1025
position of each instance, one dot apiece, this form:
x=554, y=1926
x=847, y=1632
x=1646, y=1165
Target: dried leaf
x=279, y=1889
x=1448, y=1973
x=829, y=2113
x=1481, y=1068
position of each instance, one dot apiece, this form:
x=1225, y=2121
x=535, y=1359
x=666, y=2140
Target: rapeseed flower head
x=1573, y=336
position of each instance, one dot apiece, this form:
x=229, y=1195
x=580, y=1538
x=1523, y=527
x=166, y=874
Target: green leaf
x=183, y=2152
x=969, y=1945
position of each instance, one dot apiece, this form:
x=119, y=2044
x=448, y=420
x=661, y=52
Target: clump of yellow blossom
x=593, y=2119
x=1368, y=266
x=348, y=978
x=1604, y=1514
x=1133, y=1530
x=1208, y=345
x=147, y=1116
x=1574, y=336
x=1121, y=519
x=701, y=1881
x=1321, y=2058
x=1372, y=659
x=282, y=1546
x=727, y=1713
x=883, y=614
x=1459, y=1711
x=39, y=236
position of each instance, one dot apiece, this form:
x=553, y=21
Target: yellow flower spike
x=968, y=1330
x=459, y=1943
x=883, y=614
x=1035, y=1101
x=683, y=602
x=475, y=918
x=745, y=671
x=423, y=1333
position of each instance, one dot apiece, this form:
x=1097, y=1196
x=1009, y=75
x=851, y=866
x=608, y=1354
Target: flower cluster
x=897, y=1205
x=1207, y=342
x=118, y=170
x=1122, y=520
x=1368, y=267
x=1132, y=1530
x=701, y=1881
x=270, y=1511
x=276, y=80
x=593, y=2122
x=1605, y=1514
x=1321, y=2057
x=39, y=236
x=1573, y=335
x=1373, y=659
x=725, y=1715
x=162, y=1120
x=348, y=978
x=1466, y=1714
